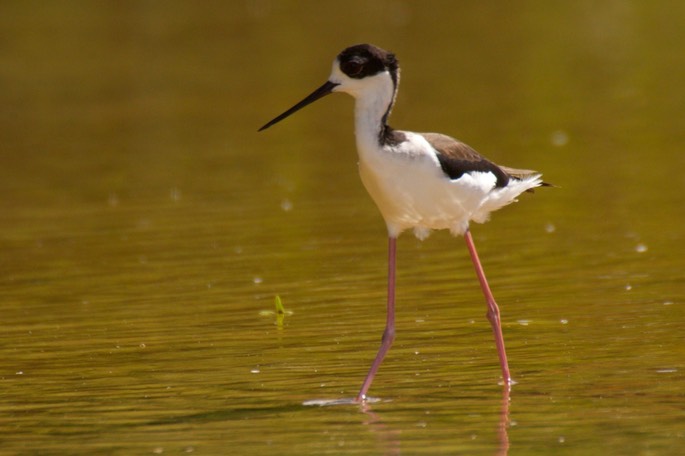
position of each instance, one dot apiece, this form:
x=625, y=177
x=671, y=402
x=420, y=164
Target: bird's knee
x=388, y=335
x=493, y=315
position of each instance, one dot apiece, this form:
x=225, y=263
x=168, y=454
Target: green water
x=145, y=225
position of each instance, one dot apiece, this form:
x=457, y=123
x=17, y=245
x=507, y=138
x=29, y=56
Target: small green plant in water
x=280, y=312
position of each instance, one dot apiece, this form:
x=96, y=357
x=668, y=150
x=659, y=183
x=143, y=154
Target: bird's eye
x=351, y=67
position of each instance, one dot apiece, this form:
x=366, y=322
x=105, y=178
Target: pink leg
x=493, y=310
x=389, y=333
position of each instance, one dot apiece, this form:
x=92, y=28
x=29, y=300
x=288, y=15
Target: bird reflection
x=389, y=437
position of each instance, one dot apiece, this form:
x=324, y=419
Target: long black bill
x=311, y=98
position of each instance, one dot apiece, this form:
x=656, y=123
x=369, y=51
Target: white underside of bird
x=412, y=192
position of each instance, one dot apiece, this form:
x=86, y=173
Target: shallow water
x=147, y=229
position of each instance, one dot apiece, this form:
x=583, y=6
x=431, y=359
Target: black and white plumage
x=419, y=181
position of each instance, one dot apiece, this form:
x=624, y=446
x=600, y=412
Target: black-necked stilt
x=422, y=181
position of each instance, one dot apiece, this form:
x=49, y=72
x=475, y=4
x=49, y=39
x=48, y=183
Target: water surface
x=146, y=227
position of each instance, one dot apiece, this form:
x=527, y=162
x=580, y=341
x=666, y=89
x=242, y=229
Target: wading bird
x=422, y=181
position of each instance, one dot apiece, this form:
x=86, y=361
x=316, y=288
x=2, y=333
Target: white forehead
x=337, y=75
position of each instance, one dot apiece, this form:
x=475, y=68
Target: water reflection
x=389, y=439
x=503, y=426
x=390, y=435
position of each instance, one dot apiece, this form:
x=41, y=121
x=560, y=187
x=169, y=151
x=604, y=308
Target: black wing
x=457, y=158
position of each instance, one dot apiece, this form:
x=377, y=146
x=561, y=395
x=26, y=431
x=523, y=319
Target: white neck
x=372, y=101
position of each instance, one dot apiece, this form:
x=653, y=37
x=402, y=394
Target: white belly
x=411, y=191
